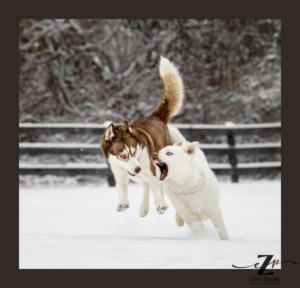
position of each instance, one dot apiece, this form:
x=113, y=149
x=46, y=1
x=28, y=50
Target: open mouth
x=163, y=168
x=130, y=173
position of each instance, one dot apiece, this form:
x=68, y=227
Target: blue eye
x=123, y=157
x=169, y=153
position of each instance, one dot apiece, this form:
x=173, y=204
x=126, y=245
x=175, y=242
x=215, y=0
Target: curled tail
x=173, y=91
x=176, y=136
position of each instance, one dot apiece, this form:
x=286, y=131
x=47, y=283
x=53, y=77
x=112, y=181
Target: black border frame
x=215, y=9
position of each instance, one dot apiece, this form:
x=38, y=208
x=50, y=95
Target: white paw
x=144, y=210
x=179, y=220
x=122, y=207
x=161, y=207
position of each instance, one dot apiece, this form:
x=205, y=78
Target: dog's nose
x=154, y=156
x=137, y=170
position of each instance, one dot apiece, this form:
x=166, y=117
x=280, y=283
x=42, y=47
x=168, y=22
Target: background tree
x=107, y=70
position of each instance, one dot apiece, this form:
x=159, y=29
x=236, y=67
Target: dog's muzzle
x=137, y=170
x=161, y=165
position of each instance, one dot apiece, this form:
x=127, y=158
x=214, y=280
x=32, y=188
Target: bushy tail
x=173, y=91
x=176, y=136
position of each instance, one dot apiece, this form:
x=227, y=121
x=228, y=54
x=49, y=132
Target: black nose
x=137, y=170
x=154, y=156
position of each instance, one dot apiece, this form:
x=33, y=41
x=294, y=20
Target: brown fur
x=121, y=137
x=172, y=98
x=154, y=135
x=150, y=132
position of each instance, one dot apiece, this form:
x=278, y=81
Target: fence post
x=110, y=177
x=232, y=157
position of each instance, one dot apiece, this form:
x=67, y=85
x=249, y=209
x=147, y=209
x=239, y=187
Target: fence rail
x=188, y=130
x=90, y=148
x=102, y=168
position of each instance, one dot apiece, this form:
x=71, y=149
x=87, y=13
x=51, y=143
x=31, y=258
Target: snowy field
x=80, y=228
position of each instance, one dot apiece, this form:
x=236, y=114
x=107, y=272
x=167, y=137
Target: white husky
x=190, y=184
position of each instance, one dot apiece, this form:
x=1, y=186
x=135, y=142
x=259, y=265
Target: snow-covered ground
x=80, y=228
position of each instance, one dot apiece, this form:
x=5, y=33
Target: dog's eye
x=123, y=156
x=169, y=153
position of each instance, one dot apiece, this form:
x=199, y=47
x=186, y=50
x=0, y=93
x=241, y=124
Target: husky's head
x=173, y=161
x=121, y=146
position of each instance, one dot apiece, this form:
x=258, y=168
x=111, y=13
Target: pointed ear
x=178, y=143
x=126, y=126
x=191, y=148
x=109, y=134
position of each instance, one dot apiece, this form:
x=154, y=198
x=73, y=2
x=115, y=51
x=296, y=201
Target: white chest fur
x=194, y=199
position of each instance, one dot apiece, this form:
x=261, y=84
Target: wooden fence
x=190, y=131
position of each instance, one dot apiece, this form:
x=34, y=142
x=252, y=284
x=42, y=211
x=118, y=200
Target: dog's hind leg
x=121, y=177
x=179, y=220
x=144, y=208
x=218, y=221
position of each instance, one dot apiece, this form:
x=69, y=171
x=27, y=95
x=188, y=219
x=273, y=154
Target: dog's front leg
x=144, y=208
x=121, y=177
x=161, y=205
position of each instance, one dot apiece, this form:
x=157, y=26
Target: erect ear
x=191, y=148
x=109, y=134
x=126, y=126
x=178, y=143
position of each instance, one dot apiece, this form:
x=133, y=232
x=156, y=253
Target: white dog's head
x=173, y=161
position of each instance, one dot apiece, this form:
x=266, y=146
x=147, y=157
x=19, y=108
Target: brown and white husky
x=128, y=148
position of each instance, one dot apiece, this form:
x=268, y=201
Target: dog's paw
x=144, y=210
x=179, y=220
x=122, y=207
x=161, y=208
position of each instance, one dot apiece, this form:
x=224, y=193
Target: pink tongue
x=156, y=161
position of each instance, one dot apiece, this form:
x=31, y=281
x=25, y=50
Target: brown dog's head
x=121, y=146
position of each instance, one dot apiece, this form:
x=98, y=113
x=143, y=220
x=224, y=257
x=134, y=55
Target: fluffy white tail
x=176, y=136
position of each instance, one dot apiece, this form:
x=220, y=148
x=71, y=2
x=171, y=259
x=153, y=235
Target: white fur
x=132, y=150
x=166, y=67
x=192, y=186
x=173, y=86
x=132, y=162
x=145, y=178
x=109, y=134
x=176, y=136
